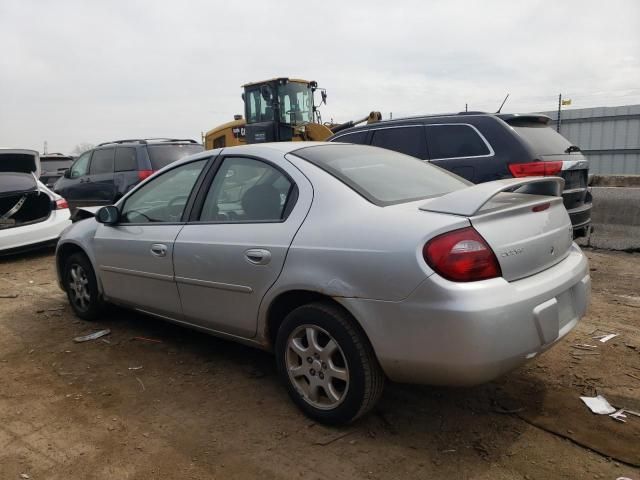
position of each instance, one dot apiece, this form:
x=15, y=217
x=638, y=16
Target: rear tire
x=82, y=288
x=327, y=363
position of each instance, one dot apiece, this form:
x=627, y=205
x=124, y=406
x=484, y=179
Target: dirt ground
x=191, y=406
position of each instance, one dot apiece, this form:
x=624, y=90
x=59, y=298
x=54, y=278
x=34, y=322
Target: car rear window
x=383, y=177
x=163, y=155
x=543, y=139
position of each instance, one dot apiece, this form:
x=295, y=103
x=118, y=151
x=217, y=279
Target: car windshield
x=163, y=154
x=382, y=176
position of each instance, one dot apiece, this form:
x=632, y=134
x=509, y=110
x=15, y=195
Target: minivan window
x=81, y=166
x=408, y=140
x=126, y=159
x=353, y=137
x=163, y=154
x=383, y=177
x=102, y=161
x=455, y=141
x=543, y=139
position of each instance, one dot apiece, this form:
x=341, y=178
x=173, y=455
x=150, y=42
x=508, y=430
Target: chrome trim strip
x=218, y=285
x=137, y=273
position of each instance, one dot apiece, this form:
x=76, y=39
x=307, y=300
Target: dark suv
x=53, y=166
x=104, y=174
x=482, y=147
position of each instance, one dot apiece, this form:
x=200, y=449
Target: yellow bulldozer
x=279, y=110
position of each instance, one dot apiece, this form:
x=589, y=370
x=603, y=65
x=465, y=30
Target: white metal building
x=608, y=136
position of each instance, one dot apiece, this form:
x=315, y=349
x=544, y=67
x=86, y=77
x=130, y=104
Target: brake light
x=142, y=174
x=461, y=256
x=535, y=169
x=61, y=204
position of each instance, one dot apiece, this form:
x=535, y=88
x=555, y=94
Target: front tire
x=81, y=287
x=328, y=365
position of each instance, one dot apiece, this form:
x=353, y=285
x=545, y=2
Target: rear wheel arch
x=288, y=301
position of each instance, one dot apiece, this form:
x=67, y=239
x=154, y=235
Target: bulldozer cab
x=274, y=108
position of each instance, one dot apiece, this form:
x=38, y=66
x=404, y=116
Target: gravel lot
x=188, y=405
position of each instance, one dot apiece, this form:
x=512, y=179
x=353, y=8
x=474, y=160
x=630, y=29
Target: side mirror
x=67, y=173
x=108, y=215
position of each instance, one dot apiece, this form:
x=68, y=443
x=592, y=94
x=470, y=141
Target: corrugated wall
x=609, y=136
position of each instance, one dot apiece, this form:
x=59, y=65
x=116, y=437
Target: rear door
x=234, y=249
x=459, y=148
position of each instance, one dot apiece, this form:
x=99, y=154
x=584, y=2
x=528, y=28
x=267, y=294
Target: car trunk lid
x=19, y=161
x=522, y=220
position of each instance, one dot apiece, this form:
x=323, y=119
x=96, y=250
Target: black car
x=104, y=174
x=53, y=166
x=482, y=147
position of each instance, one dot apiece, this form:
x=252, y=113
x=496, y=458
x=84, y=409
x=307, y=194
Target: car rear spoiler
x=468, y=201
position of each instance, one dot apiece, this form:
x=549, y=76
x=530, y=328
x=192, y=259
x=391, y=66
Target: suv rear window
x=455, y=141
x=543, y=139
x=383, y=177
x=55, y=164
x=352, y=137
x=409, y=140
x=163, y=154
x=102, y=161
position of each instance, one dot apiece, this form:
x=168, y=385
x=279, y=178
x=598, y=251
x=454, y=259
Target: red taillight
x=535, y=169
x=61, y=204
x=142, y=174
x=462, y=256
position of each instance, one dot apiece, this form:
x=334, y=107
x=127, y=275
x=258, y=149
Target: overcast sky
x=82, y=71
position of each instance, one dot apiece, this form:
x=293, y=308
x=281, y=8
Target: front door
x=135, y=256
x=227, y=259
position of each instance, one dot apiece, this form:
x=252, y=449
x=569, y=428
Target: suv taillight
x=142, y=174
x=61, y=204
x=535, y=169
x=461, y=256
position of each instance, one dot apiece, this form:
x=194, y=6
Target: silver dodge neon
x=352, y=263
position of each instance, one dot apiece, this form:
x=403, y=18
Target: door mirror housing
x=67, y=173
x=108, y=215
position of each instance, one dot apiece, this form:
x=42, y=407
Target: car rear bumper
x=457, y=334
x=29, y=236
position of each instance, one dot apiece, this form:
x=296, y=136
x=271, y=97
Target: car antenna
x=503, y=102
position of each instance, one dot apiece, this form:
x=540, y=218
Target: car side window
x=102, y=161
x=125, y=159
x=80, y=166
x=162, y=199
x=247, y=190
x=407, y=140
x=353, y=137
x=455, y=141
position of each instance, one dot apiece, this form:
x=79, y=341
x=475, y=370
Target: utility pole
x=390, y=115
x=466, y=109
x=559, y=112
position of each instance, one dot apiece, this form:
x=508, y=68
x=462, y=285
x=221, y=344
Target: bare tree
x=82, y=147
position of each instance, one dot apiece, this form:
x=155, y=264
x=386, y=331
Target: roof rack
x=148, y=140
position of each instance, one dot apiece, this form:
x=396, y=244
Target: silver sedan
x=352, y=263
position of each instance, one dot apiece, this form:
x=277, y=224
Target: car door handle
x=258, y=256
x=158, y=250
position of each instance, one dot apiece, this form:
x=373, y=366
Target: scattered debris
x=598, y=405
x=584, y=346
x=8, y=295
x=92, y=336
x=136, y=368
x=324, y=443
x=25, y=476
x=605, y=338
x=141, y=384
x=145, y=339
x=57, y=309
x=620, y=415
